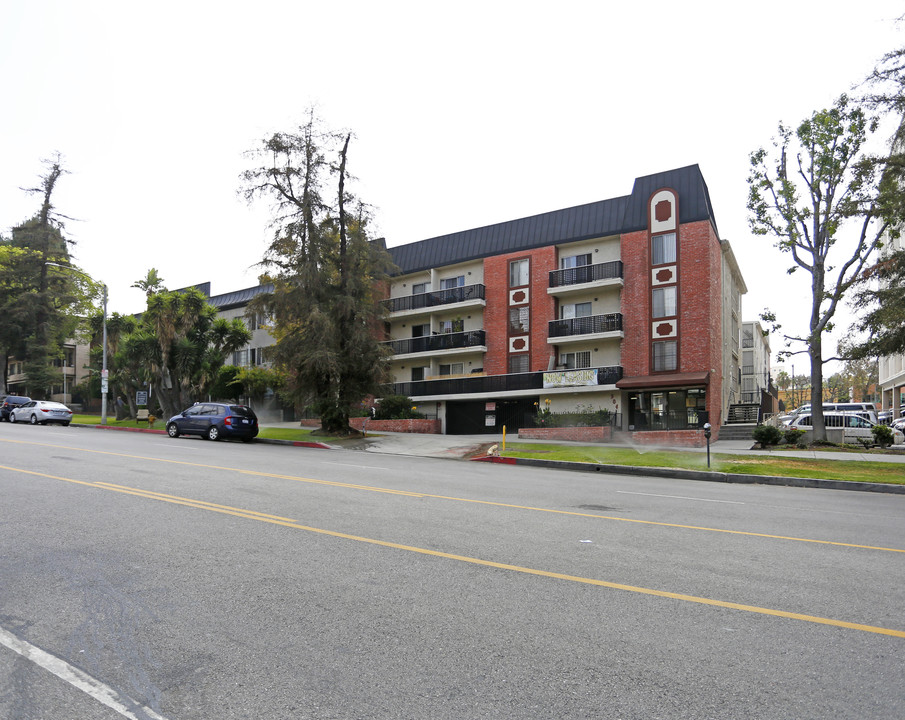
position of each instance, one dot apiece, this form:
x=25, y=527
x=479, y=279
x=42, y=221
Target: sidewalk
x=464, y=446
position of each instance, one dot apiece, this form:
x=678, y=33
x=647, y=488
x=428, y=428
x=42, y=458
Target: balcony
x=491, y=383
x=576, y=279
x=470, y=339
x=598, y=326
x=467, y=294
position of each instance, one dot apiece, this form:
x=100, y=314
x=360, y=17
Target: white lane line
x=680, y=497
x=78, y=679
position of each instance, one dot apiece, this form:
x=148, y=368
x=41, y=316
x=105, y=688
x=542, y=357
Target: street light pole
x=103, y=349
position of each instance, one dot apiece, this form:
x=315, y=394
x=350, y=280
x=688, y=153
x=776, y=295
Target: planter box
x=429, y=427
x=578, y=434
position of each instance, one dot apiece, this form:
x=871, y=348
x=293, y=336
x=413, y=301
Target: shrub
x=767, y=435
x=792, y=435
x=396, y=407
x=882, y=435
x=582, y=416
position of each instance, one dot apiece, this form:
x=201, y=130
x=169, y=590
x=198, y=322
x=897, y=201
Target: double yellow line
x=290, y=523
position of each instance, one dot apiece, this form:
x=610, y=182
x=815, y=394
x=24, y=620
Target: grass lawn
x=294, y=434
x=853, y=470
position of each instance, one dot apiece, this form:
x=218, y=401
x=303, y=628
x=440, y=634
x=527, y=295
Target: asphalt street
x=190, y=579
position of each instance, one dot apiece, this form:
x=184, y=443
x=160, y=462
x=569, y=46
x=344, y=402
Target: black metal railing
x=585, y=325
x=586, y=273
x=432, y=299
x=441, y=341
x=491, y=383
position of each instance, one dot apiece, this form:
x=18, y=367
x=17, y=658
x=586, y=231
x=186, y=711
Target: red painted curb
x=494, y=459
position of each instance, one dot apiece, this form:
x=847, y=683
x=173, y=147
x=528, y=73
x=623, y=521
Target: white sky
x=464, y=114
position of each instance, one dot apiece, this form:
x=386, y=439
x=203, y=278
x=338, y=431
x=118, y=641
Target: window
x=452, y=369
x=567, y=312
x=572, y=261
x=518, y=320
x=664, y=356
x=452, y=326
x=518, y=273
x=454, y=282
x=663, y=249
x=575, y=360
x=240, y=358
x=518, y=363
x=419, y=288
x=664, y=302
x=418, y=373
x=420, y=330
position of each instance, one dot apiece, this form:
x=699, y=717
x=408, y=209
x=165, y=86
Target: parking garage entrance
x=478, y=417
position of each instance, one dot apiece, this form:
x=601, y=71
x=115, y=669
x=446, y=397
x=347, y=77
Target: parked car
x=899, y=424
x=855, y=426
x=41, y=412
x=866, y=410
x=215, y=421
x=10, y=402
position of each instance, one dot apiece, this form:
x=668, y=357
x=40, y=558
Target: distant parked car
x=41, y=412
x=215, y=421
x=855, y=427
x=10, y=402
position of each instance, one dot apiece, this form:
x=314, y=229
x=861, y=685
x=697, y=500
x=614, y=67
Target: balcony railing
x=491, y=383
x=586, y=274
x=585, y=325
x=443, y=341
x=432, y=299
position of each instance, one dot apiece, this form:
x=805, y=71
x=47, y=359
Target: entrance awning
x=653, y=382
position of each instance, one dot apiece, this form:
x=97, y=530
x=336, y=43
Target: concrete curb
x=703, y=475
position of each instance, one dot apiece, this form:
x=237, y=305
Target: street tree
x=828, y=203
x=880, y=302
x=40, y=305
x=328, y=274
x=177, y=348
x=861, y=373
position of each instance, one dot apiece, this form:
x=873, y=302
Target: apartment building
x=72, y=364
x=621, y=304
x=758, y=396
x=892, y=367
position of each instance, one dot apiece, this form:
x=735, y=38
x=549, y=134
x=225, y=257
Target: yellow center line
x=406, y=493
x=276, y=520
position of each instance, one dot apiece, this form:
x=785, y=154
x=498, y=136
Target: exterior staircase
x=743, y=413
x=738, y=431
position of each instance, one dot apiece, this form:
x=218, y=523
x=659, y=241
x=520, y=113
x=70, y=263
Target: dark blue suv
x=215, y=421
x=10, y=403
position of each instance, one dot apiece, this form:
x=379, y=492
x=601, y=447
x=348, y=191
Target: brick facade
x=428, y=427
x=496, y=313
x=577, y=434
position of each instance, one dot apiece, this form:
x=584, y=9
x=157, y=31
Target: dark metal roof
x=582, y=222
x=238, y=298
x=688, y=182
